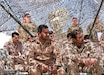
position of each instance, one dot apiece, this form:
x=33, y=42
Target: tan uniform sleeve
x=58, y=56
x=80, y=28
x=88, y=28
x=34, y=28
x=31, y=55
x=7, y=47
x=21, y=32
x=93, y=50
x=69, y=30
x=69, y=54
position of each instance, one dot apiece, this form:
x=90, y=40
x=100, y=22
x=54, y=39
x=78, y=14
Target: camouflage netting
x=40, y=10
x=3, y=54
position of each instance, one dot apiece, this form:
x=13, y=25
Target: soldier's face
x=44, y=34
x=79, y=38
x=27, y=19
x=74, y=22
x=51, y=36
x=15, y=38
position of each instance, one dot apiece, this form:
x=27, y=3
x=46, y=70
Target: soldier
x=102, y=44
x=51, y=36
x=82, y=57
x=68, y=41
x=15, y=49
x=86, y=37
x=42, y=52
x=63, y=51
x=74, y=26
x=31, y=27
x=98, y=27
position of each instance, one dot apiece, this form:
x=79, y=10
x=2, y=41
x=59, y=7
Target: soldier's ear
x=39, y=34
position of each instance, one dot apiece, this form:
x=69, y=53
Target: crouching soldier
x=15, y=50
x=41, y=54
x=82, y=56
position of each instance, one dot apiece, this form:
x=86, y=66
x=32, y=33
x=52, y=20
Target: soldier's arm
x=71, y=56
x=69, y=30
x=93, y=50
x=34, y=28
x=22, y=48
x=102, y=29
x=8, y=46
x=19, y=28
x=88, y=28
x=31, y=55
x=93, y=56
x=81, y=29
x=22, y=33
x=58, y=58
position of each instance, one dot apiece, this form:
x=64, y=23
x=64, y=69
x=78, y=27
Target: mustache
x=49, y=39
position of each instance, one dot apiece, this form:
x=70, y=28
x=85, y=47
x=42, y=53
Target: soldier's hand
x=90, y=61
x=44, y=68
x=93, y=61
x=53, y=69
x=86, y=61
x=16, y=57
x=77, y=59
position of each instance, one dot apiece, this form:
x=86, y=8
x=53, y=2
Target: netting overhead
x=84, y=10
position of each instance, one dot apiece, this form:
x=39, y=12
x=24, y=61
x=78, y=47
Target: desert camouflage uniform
x=27, y=48
x=63, y=52
x=43, y=54
x=31, y=27
x=97, y=28
x=100, y=54
x=102, y=44
x=15, y=50
x=87, y=50
x=102, y=37
x=3, y=57
x=101, y=48
x=72, y=28
x=66, y=43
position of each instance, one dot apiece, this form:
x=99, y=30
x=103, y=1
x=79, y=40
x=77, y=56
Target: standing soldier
x=74, y=26
x=98, y=28
x=27, y=24
x=42, y=52
x=82, y=57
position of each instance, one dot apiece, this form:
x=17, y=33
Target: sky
x=3, y=39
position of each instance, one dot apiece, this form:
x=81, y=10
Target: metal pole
x=96, y=18
x=16, y=20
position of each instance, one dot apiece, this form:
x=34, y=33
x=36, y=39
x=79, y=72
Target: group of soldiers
x=41, y=53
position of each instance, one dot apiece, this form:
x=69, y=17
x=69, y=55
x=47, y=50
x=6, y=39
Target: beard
x=45, y=38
